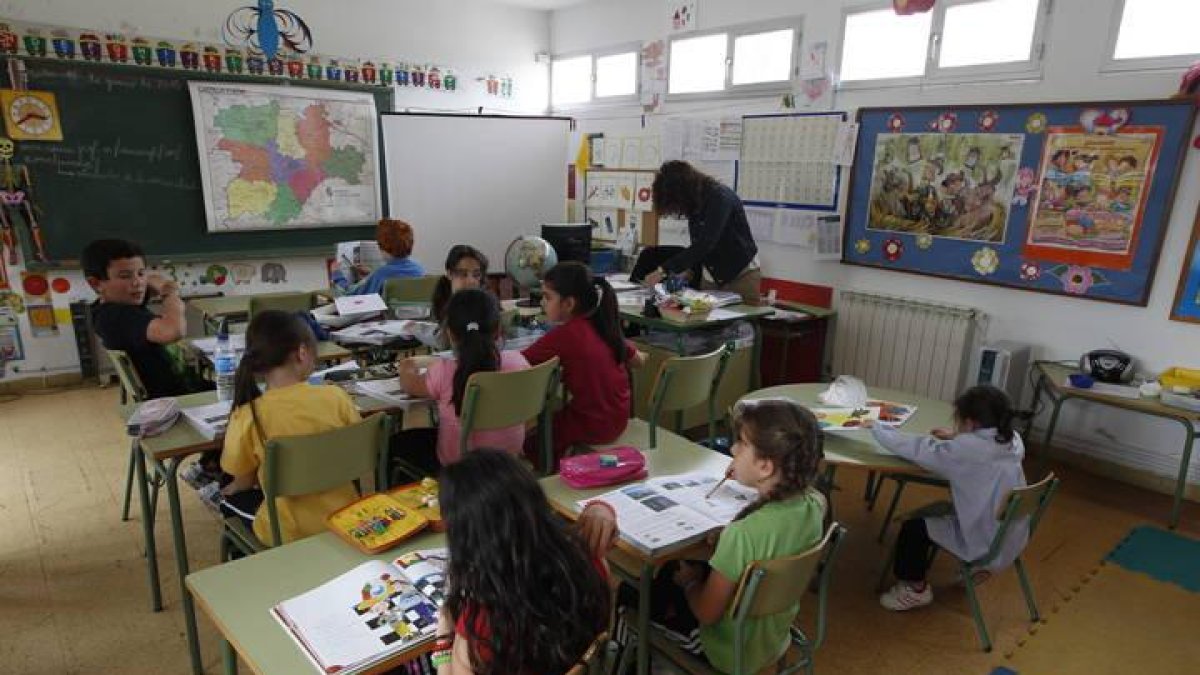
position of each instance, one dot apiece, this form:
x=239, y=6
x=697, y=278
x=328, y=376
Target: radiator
x=916, y=346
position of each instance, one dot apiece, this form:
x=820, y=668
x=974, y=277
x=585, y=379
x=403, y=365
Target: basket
x=677, y=315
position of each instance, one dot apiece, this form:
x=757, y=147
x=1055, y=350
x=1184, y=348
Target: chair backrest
x=770, y=587
x=284, y=302
x=300, y=465
x=131, y=382
x=498, y=399
x=592, y=660
x=410, y=289
x=687, y=381
x=1029, y=502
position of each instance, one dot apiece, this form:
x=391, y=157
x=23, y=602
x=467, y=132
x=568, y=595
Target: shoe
x=903, y=597
x=195, y=475
x=210, y=494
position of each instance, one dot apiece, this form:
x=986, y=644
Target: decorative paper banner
x=10, y=336
x=38, y=306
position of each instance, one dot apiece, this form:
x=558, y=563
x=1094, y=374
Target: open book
x=671, y=512
x=374, y=332
x=369, y=614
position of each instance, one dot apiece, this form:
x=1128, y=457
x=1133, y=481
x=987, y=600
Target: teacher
x=721, y=239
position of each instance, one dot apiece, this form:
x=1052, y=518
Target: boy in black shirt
x=116, y=270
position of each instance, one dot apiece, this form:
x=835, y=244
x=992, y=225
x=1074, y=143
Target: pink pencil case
x=588, y=471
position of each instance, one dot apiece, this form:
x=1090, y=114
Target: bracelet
x=440, y=658
x=443, y=642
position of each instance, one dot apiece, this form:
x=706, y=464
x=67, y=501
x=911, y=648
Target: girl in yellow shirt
x=281, y=350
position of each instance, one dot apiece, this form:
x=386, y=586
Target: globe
x=527, y=259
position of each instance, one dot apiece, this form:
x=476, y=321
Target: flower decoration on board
x=1026, y=187
x=945, y=123
x=1030, y=271
x=988, y=120
x=1077, y=279
x=1103, y=122
x=1035, y=123
x=893, y=249
x=862, y=246
x=264, y=29
x=985, y=261
x=924, y=241
x=895, y=123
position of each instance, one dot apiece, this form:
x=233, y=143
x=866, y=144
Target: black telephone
x=1108, y=365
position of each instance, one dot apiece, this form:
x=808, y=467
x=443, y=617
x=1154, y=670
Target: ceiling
x=542, y=4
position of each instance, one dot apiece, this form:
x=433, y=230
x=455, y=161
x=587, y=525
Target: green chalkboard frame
x=138, y=122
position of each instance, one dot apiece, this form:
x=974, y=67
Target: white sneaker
x=903, y=597
x=210, y=494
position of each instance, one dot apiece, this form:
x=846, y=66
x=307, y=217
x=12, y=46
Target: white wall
x=1058, y=327
x=473, y=37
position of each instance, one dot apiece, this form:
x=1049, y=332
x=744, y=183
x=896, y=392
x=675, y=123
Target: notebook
x=371, y=613
x=209, y=420
x=672, y=512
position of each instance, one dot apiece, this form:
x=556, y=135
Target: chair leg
x=881, y=585
x=133, y=456
x=869, y=490
x=976, y=611
x=887, y=520
x=229, y=658
x=1028, y=590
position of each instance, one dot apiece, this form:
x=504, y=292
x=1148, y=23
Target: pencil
x=717, y=486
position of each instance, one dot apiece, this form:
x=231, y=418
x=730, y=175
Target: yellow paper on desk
x=1180, y=377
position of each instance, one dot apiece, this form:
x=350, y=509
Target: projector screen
x=474, y=179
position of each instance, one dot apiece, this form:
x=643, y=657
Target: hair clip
x=472, y=326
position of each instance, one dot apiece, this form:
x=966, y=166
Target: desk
x=239, y=595
x=673, y=455
x=165, y=452
x=1052, y=378
x=328, y=351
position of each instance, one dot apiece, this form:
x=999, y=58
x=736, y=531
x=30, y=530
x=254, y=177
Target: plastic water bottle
x=224, y=364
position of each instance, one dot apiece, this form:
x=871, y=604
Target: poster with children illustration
x=944, y=185
x=1091, y=193
x=1070, y=199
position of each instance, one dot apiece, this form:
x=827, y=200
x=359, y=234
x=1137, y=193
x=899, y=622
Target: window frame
x=729, y=89
x=934, y=74
x=1144, y=63
x=592, y=85
x=626, y=48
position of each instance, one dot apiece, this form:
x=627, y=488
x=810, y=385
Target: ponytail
x=786, y=434
x=989, y=408
x=473, y=318
x=594, y=299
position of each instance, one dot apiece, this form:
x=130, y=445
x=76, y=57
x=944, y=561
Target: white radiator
x=912, y=345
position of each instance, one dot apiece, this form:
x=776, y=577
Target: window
x=571, y=80
x=698, y=64
x=763, y=57
x=1154, y=29
x=616, y=75
x=959, y=40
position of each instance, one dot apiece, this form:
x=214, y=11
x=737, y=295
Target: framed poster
x=1064, y=198
x=1187, y=293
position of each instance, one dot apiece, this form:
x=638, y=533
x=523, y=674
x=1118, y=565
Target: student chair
x=592, y=661
x=767, y=587
x=132, y=391
x=1029, y=502
x=301, y=465
x=494, y=400
x=687, y=381
x=410, y=290
x=284, y=302
x=901, y=480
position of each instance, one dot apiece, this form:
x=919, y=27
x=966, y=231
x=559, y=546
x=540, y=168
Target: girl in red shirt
x=593, y=354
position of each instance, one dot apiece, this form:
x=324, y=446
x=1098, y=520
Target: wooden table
x=1052, y=380
x=239, y=595
x=165, y=452
x=673, y=455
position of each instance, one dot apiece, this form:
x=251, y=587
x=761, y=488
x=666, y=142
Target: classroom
x=692, y=336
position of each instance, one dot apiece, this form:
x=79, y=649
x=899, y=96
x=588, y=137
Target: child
x=593, y=354
x=395, y=238
x=777, y=452
x=281, y=349
x=509, y=553
x=981, y=458
x=116, y=270
x=473, y=326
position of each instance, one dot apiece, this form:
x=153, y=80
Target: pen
x=716, y=487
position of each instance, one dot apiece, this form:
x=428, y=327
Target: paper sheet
x=599, y=151
x=844, y=144
x=829, y=238
x=651, y=152
x=605, y=223
x=643, y=193
x=762, y=222
x=607, y=189
x=612, y=153
x=795, y=228
x=631, y=152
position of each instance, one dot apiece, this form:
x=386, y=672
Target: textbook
x=209, y=420
x=374, y=333
x=369, y=614
x=388, y=391
x=672, y=512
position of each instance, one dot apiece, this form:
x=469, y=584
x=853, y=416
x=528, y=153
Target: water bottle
x=224, y=364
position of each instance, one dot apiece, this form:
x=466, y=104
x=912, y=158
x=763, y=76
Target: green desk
x=239, y=595
x=673, y=455
x=165, y=452
x=328, y=351
x=1052, y=379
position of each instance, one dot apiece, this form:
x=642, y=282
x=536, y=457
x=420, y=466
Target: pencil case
x=597, y=469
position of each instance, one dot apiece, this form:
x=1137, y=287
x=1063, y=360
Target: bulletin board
x=1067, y=198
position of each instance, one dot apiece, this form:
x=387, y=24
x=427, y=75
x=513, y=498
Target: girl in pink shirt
x=473, y=326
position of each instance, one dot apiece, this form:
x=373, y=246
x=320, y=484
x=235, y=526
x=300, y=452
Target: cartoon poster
x=949, y=185
x=38, y=305
x=1092, y=192
x=10, y=336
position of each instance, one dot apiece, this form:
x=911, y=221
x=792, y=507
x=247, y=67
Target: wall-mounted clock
x=30, y=115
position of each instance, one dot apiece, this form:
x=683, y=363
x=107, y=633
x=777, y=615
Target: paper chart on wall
x=599, y=151
x=612, y=153
x=11, y=348
x=829, y=238
x=609, y=190
x=673, y=232
x=605, y=223
x=789, y=160
x=795, y=228
x=643, y=192
x=651, y=152
x=762, y=222
x=631, y=152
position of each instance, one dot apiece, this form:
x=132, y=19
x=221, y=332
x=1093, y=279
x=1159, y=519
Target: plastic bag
x=846, y=391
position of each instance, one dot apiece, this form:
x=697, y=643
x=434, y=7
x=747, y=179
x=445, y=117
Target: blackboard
x=128, y=166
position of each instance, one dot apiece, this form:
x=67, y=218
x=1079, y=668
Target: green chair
x=410, y=291
x=1029, y=502
x=301, y=465
x=592, y=661
x=684, y=382
x=494, y=400
x=132, y=391
x=767, y=587
x=284, y=302
x=901, y=480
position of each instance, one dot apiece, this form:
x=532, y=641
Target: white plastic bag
x=845, y=392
